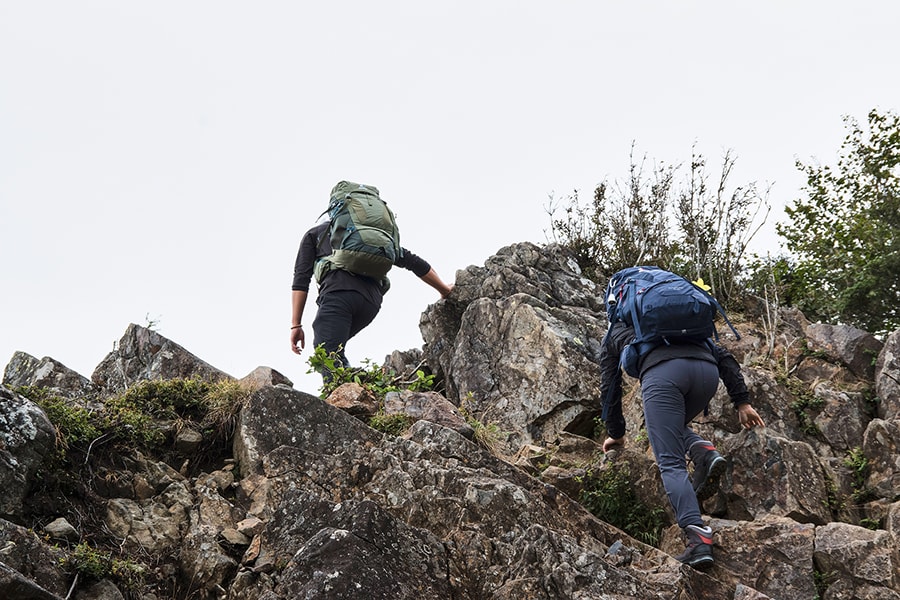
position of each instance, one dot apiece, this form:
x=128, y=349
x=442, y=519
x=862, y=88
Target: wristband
x=296, y=326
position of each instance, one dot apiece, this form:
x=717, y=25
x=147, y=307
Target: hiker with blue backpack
x=350, y=255
x=661, y=329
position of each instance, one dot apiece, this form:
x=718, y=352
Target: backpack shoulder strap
x=724, y=316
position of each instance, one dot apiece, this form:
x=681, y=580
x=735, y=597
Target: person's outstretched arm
x=432, y=279
x=420, y=267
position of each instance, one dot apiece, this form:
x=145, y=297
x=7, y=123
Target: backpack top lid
x=615, y=289
x=660, y=304
x=343, y=189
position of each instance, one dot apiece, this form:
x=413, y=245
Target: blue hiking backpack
x=663, y=308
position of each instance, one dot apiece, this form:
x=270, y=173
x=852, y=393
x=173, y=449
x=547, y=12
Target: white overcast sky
x=162, y=159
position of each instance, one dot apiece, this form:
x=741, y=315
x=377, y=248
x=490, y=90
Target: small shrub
x=96, y=565
x=223, y=402
x=858, y=464
x=73, y=422
x=804, y=402
x=869, y=523
x=422, y=382
x=375, y=378
x=833, y=498
x=396, y=424
x=609, y=495
x=822, y=581
x=487, y=435
x=372, y=377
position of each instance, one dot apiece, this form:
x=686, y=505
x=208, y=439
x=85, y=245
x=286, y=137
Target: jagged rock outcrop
x=27, y=438
x=887, y=378
x=307, y=501
x=24, y=370
x=144, y=354
x=518, y=341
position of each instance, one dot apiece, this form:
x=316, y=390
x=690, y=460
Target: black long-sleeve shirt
x=619, y=335
x=316, y=243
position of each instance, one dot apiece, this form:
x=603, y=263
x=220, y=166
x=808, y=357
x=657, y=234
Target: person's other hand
x=297, y=337
x=611, y=443
x=749, y=417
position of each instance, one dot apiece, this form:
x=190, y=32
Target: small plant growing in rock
x=96, y=565
x=395, y=424
x=375, y=378
x=858, y=464
x=868, y=523
x=822, y=581
x=487, y=435
x=833, y=499
x=609, y=495
x=73, y=422
x=805, y=402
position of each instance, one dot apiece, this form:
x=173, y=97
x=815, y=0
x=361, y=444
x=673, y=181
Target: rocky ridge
x=307, y=501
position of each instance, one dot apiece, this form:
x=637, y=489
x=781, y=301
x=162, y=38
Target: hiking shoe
x=707, y=473
x=698, y=553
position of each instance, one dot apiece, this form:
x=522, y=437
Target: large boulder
x=887, y=378
x=854, y=348
x=518, y=343
x=775, y=476
x=143, y=355
x=27, y=439
x=25, y=370
x=434, y=505
x=773, y=555
x=858, y=558
x=29, y=566
x=881, y=447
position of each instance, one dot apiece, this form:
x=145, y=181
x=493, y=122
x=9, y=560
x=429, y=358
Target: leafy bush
x=609, y=495
x=858, y=465
x=844, y=232
x=378, y=380
x=73, y=422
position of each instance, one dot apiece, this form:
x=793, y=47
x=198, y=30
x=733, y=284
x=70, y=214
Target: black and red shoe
x=698, y=553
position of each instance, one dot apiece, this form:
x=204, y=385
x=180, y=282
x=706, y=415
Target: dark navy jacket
x=619, y=335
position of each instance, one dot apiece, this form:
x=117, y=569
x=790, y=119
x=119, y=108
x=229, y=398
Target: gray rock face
x=26, y=370
x=887, y=378
x=428, y=406
x=852, y=347
x=518, y=344
x=458, y=521
x=142, y=355
x=27, y=438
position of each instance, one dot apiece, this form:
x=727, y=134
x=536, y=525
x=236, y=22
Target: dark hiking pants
x=341, y=315
x=674, y=392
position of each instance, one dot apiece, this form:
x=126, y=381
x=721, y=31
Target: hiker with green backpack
x=660, y=330
x=350, y=255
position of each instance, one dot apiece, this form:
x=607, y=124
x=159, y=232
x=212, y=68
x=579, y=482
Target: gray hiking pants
x=674, y=392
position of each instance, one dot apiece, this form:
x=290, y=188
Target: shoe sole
x=711, y=485
x=701, y=563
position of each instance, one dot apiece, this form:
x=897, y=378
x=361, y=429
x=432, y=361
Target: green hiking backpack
x=363, y=233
